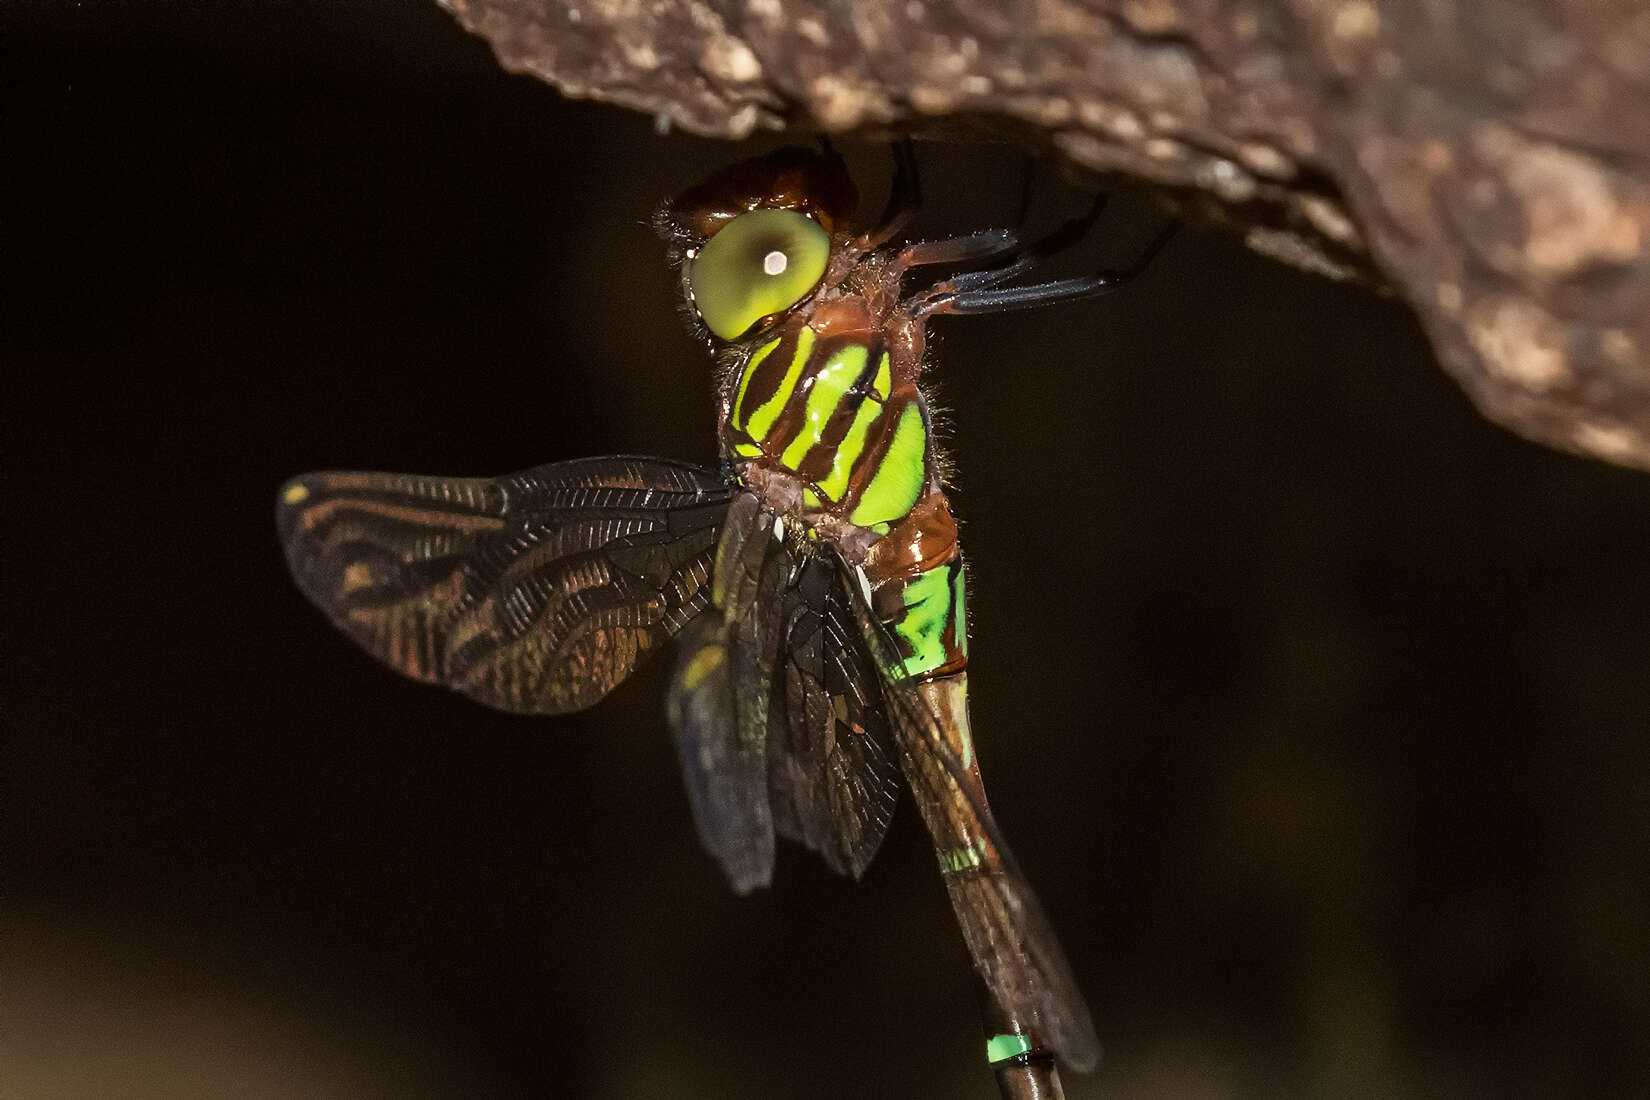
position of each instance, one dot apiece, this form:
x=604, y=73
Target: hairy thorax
x=824, y=421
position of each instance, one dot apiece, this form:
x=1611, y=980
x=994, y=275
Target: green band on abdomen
x=927, y=598
x=966, y=858
x=1000, y=1048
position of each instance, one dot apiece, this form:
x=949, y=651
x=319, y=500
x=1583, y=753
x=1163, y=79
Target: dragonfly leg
x=904, y=199
x=1007, y=249
x=1021, y=258
x=984, y=295
x=988, y=244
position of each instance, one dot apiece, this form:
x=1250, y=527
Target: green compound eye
x=760, y=263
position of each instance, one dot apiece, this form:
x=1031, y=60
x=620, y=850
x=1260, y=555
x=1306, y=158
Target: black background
x=1315, y=705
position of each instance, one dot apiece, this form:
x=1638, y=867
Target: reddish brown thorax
x=847, y=318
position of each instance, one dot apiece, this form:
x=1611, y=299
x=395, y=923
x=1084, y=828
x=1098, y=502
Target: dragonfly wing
x=1014, y=947
x=536, y=593
x=832, y=776
x=719, y=699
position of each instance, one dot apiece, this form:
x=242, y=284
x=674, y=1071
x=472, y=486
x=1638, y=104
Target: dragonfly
x=813, y=584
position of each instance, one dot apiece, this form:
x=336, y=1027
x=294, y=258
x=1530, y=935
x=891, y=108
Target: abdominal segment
x=919, y=589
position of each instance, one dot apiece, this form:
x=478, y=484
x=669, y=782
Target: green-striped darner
x=814, y=583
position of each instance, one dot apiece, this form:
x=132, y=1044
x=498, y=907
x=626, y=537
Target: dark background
x=1315, y=705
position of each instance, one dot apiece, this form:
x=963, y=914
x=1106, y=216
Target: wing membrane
x=726, y=777
x=719, y=701
x=832, y=776
x=537, y=592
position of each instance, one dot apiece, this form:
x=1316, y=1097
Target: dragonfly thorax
x=823, y=421
x=830, y=409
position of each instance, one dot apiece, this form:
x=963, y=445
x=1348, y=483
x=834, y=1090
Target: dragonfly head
x=810, y=181
x=755, y=239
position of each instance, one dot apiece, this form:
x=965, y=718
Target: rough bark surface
x=1489, y=158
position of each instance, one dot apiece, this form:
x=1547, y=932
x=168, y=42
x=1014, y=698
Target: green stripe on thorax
x=769, y=404
x=901, y=469
x=851, y=426
x=848, y=451
x=745, y=375
x=826, y=390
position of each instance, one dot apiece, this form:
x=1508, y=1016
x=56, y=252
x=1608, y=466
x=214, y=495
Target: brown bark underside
x=1489, y=158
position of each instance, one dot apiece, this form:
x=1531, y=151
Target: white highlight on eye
x=775, y=262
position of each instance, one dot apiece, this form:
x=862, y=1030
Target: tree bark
x=1490, y=159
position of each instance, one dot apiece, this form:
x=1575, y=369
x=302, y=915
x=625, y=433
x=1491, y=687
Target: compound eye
x=759, y=264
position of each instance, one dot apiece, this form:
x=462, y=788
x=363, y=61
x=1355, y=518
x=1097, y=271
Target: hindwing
x=718, y=699
x=833, y=779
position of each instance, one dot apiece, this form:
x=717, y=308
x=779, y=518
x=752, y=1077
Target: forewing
x=537, y=592
x=832, y=776
x=1013, y=944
